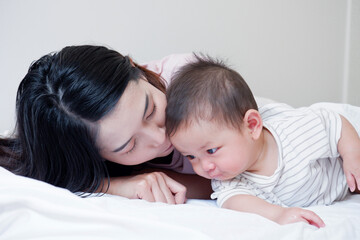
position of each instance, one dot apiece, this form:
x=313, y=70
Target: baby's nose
x=207, y=165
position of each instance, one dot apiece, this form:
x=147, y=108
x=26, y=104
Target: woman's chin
x=167, y=151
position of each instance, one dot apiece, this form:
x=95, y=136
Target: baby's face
x=215, y=151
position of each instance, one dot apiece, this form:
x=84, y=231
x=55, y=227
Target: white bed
x=31, y=209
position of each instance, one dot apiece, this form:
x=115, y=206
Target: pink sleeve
x=184, y=166
x=169, y=65
x=178, y=164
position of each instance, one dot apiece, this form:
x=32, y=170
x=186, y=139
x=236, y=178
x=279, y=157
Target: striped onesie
x=309, y=170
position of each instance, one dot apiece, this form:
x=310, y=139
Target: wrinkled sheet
x=31, y=209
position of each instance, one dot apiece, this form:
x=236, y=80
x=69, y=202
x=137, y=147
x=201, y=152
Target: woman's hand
x=293, y=214
x=153, y=187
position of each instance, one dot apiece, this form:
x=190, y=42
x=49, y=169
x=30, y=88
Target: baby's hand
x=349, y=149
x=351, y=165
x=293, y=214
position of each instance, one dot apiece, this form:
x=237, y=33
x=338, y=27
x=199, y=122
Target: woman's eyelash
x=133, y=148
x=152, y=112
x=150, y=115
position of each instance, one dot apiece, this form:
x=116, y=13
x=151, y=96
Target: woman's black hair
x=58, y=104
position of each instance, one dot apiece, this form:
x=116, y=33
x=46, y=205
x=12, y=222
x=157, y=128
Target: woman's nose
x=157, y=135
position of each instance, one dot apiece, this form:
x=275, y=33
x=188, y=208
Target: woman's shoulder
x=168, y=65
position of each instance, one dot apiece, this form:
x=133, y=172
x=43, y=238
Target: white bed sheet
x=31, y=209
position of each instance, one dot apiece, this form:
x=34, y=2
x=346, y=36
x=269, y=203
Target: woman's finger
x=155, y=188
x=144, y=187
x=178, y=190
x=146, y=195
x=165, y=189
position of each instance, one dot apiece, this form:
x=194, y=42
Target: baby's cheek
x=236, y=169
x=198, y=170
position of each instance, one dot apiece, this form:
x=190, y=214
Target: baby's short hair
x=207, y=89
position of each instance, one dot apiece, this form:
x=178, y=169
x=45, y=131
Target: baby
x=270, y=161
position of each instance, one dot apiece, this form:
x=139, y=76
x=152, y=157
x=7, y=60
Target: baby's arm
x=276, y=213
x=349, y=150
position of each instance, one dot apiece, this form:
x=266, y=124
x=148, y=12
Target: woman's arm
x=278, y=214
x=161, y=186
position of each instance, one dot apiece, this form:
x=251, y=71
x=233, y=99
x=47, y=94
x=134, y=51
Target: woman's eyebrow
x=145, y=110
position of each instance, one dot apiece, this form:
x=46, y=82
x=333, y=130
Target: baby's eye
x=211, y=150
x=190, y=157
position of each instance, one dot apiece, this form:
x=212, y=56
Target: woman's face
x=134, y=132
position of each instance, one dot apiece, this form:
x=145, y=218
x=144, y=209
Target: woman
x=87, y=106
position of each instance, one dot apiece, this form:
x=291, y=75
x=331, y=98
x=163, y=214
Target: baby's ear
x=253, y=123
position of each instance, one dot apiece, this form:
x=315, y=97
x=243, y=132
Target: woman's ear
x=131, y=62
x=253, y=123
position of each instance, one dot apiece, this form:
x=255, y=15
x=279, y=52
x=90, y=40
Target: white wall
x=295, y=51
x=352, y=72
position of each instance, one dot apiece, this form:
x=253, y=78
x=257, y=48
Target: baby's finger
x=312, y=218
x=356, y=177
x=350, y=180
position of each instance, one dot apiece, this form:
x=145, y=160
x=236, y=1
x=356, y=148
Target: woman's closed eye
x=132, y=148
x=212, y=150
x=153, y=111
